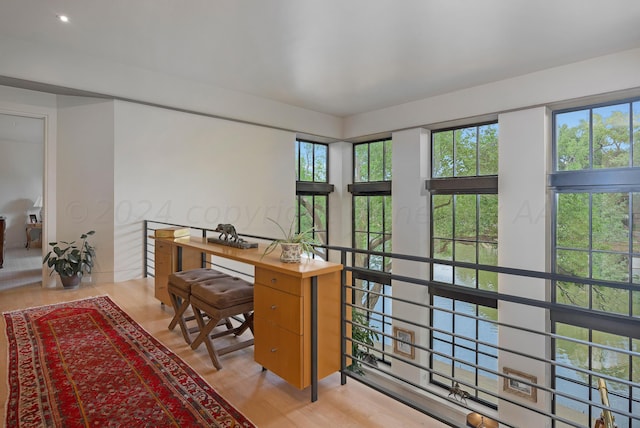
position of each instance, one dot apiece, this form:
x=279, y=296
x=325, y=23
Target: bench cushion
x=185, y=279
x=223, y=293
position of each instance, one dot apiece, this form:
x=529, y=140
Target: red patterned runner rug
x=87, y=363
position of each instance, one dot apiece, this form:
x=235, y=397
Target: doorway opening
x=21, y=194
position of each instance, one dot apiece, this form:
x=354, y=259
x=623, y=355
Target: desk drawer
x=280, y=351
x=280, y=281
x=283, y=309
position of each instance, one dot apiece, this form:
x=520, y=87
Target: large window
x=371, y=190
x=596, y=184
x=464, y=215
x=312, y=190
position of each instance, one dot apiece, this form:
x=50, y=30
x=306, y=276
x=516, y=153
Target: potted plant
x=71, y=261
x=292, y=244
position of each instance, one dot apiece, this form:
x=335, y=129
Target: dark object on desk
x=240, y=243
x=229, y=236
x=226, y=231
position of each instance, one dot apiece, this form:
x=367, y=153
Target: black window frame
x=313, y=189
x=372, y=278
x=592, y=181
x=460, y=185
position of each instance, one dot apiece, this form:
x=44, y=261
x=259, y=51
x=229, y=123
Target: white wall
x=600, y=75
x=188, y=169
x=21, y=179
x=340, y=175
x=411, y=225
x=524, y=157
x=85, y=164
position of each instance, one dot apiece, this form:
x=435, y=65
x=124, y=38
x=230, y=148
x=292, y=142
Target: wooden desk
x=29, y=229
x=289, y=299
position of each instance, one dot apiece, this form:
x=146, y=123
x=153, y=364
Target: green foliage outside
x=465, y=226
x=465, y=229
x=372, y=216
x=311, y=166
x=596, y=232
x=598, y=236
x=363, y=342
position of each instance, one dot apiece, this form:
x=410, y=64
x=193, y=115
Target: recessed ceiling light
x=63, y=18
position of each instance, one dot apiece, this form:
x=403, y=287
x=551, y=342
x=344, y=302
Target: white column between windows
x=523, y=148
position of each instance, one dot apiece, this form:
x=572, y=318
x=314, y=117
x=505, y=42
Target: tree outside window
x=312, y=191
x=371, y=190
x=597, y=236
x=464, y=228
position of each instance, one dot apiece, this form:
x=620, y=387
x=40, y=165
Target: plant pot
x=290, y=252
x=72, y=281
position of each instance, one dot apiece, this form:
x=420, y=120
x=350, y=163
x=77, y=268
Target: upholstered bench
x=220, y=298
x=179, y=289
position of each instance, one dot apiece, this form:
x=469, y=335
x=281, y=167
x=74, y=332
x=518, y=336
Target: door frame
x=49, y=117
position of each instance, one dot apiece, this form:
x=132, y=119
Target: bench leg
x=207, y=336
x=205, y=329
x=180, y=306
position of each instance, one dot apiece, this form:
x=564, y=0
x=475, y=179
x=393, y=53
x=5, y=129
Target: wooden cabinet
x=282, y=323
x=166, y=263
x=283, y=318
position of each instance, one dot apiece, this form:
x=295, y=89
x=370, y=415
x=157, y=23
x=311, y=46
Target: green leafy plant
x=69, y=259
x=361, y=333
x=304, y=238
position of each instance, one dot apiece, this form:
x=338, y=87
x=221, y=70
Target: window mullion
x=591, y=139
x=590, y=221
x=477, y=151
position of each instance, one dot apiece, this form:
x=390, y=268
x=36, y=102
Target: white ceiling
x=340, y=57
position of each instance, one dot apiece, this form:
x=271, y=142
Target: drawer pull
x=273, y=307
x=274, y=349
x=274, y=280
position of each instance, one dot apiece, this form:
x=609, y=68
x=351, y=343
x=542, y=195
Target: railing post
x=145, y=250
x=343, y=318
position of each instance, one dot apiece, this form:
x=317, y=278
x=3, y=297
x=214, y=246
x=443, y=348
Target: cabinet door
x=279, y=351
x=283, y=309
x=280, y=281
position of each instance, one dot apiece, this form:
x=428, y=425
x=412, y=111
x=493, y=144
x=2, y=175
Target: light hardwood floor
x=263, y=397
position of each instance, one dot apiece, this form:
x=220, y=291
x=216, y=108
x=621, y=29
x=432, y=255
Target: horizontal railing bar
x=603, y=316
x=478, y=318
x=477, y=388
x=489, y=268
x=497, y=347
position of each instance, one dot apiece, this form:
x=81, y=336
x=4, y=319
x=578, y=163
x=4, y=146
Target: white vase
x=290, y=252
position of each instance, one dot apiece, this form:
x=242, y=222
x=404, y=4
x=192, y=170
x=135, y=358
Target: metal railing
x=423, y=384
